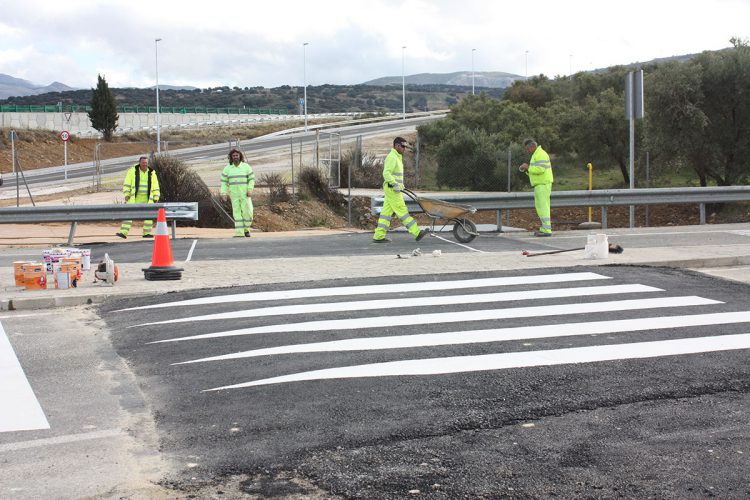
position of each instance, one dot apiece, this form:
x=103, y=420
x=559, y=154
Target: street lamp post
x=304, y=78
x=472, y=70
x=158, y=117
x=527, y=65
x=403, y=85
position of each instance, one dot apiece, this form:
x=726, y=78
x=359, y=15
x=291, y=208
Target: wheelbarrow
x=464, y=230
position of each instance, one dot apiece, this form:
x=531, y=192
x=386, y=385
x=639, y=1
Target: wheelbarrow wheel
x=464, y=230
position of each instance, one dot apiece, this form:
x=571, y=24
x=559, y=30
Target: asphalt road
x=529, y=383
x=533, y=388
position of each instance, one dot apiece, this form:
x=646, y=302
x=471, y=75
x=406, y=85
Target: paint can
x=62, y=280
x=18, y=271
x=35, y=276
x=85, y=258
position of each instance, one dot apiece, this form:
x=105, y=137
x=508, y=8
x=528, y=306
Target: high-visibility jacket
x=237, y=180
x=141, y=187
x=540, y=167
x=393, y=169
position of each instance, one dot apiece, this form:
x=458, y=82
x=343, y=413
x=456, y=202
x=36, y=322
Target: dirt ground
x=43, y=149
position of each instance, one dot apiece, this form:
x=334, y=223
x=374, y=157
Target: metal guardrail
x=596, y=198
x=79, y=213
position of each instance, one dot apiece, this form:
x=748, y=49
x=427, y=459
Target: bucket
x=73, y=260
x=62, y=280
x=35, y=276
x=597, y=247
x=85, y=258
x=18, y=271
x=73, y=269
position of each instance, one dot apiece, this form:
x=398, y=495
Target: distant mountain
x=11, y=86
x=489, y=79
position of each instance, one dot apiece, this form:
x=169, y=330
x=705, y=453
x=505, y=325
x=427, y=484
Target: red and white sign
x=65, y=135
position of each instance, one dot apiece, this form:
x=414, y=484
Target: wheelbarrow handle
x=410, y=193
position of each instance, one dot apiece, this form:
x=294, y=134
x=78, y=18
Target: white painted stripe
x=492, y=335
x=435, y=235
x=69, y=438
x=423, y=286
x=20, y=409
x=486, y=362
x=369, y=305
x=190, y=253
x=461, y=316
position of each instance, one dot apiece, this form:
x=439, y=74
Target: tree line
x=697, y=121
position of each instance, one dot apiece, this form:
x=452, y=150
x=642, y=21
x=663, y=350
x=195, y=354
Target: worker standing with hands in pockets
x=539, y=170
x=237, y=181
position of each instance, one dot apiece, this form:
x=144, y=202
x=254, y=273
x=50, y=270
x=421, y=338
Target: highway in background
x=276, y=141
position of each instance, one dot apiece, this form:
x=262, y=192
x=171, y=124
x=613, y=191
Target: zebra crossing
x=600, y=309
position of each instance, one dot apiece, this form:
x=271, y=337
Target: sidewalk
x=726, y=261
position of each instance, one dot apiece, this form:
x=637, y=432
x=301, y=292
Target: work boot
x=541, y=234
x=381, y=240
x=247, y=234
x=422, y=234
x=122, y=235
x=148, y=235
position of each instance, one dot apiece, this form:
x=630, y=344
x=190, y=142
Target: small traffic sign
x=65, y=135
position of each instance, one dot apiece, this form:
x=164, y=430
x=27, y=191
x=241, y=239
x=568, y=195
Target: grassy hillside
x=320, y=99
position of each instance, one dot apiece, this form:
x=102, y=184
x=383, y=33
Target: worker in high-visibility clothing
x=237, y=181
x=393, y=199
x=539, y=170
x=141, y=186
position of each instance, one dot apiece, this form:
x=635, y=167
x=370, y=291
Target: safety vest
x=237, y=180
x=540, y=167
x=144, y=185
x=393, y=168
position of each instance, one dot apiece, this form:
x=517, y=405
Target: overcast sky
x=260, y=43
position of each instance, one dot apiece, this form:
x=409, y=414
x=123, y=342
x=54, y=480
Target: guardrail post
x=604, y=217
x=174, y=229
x=702, y=213
x=72, y=232
x=499, y=220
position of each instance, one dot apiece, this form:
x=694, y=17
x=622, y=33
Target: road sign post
x=65, y=136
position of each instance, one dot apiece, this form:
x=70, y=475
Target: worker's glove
x=396, y=187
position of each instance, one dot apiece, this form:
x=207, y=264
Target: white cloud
x=232, y=43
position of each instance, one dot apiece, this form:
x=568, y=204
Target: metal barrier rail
x=79, y=213
x=597, y=198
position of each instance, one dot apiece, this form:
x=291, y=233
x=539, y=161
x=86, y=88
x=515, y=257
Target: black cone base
x=162, y=273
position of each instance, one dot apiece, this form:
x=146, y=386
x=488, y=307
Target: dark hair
x=142, y=158
x=529, y=143
x=399, y=141
x=242, y=157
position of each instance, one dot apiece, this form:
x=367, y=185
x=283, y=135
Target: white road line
x=492, y=335
x=369, y=305
x=20, y=409
x=486, y=362
x=423, y=286
x=455, y=317
x=190, y=253
x=69, y=438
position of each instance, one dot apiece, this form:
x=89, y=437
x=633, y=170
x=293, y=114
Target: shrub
x=314, y=184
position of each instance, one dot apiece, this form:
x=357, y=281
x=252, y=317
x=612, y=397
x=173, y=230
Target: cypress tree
x=103, y=114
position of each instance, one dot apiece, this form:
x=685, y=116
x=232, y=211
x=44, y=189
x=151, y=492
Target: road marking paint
x=368, y=305
x=491, y=335
x=487, y=362
x=424, y=286
x=69, y=438
x=190, y=253
x=459, y=316
x=20, y=409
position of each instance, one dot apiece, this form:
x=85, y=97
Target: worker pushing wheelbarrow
x=464, y=230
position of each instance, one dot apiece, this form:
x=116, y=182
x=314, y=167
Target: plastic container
x=62, y=280
x=597, y=247
x=35, y=276
x=18, y=271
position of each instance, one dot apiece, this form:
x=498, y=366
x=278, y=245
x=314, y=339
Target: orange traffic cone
x=162, y=265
